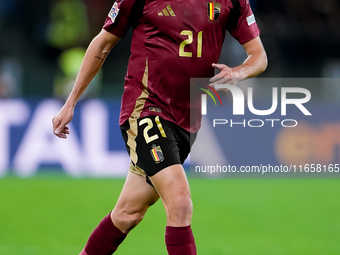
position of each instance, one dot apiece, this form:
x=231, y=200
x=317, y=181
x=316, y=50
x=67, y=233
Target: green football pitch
x=55, y=214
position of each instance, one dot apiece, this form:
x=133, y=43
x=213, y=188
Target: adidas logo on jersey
x=167, y=12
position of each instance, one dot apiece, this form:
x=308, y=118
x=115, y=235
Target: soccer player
x=172, y=42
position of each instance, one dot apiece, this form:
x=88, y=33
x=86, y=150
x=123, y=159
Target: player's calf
x=105, y=239
x=111, y=232
x=180, y=241
x=134, y=200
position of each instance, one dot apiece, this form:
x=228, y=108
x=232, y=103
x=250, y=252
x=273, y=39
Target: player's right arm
x=95, y=56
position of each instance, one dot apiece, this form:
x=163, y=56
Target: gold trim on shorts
x=137, y=170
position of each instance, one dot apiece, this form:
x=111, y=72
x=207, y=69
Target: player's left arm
x=255, y=64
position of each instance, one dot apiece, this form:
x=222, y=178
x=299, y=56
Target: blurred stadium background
x=53, y=192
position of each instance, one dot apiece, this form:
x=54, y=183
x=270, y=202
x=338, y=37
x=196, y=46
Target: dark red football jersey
x=172, y=42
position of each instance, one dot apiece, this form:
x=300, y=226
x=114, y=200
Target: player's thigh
x=136, y=196
x=172, y=186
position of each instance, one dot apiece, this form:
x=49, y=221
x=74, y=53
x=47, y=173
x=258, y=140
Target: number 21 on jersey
x=189, y=40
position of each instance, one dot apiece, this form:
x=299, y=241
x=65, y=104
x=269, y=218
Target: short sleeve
x=241, y=22
x=123, y=15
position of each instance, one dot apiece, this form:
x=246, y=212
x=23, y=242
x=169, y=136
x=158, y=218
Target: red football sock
x=104, y=240
x=180, y=241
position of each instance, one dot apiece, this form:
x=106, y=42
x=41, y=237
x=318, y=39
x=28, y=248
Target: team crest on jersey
x=214, y=11
x=114, y=12
x=157, y=154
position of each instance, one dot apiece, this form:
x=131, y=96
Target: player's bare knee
x=133, y=219
x=183, y=206
x=180, y=212
x=127, y=220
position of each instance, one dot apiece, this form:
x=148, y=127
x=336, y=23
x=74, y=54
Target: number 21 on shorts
x=148, y=121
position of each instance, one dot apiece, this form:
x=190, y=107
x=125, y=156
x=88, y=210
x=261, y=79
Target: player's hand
x=60, y=121
x=226, y=75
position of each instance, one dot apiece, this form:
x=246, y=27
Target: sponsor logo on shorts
x=114, y=12
x=157, y=154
